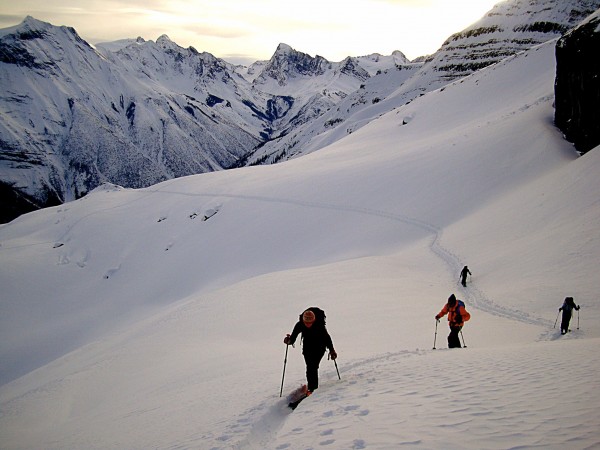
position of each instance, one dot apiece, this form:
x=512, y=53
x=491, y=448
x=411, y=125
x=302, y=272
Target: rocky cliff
x=577, y=87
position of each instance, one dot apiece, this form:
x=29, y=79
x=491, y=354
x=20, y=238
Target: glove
x=458, y=318
x=437, y=318
x=286, y=340
x=560, y=309
x=333, y=355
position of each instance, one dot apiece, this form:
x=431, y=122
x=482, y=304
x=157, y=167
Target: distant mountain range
x=136, y=112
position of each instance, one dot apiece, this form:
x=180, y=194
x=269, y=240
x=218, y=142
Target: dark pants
x=566, y=318
x=464, y=281
x=312, y=369
x=453, y=339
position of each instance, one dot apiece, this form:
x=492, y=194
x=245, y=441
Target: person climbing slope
x=567, y=312
x=315, y=340
x=457, y=316
x=463, y=275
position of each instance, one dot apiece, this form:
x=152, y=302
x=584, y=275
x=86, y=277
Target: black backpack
x=319, y=315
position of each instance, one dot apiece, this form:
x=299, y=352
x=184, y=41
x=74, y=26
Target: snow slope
x=154, y=318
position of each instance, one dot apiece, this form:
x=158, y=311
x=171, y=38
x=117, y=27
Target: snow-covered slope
x=74, y=119
x=154, y=318
x=137, y=112
x=510, y=27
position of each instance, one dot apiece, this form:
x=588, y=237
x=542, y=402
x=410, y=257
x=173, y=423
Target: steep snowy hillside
x=154, y=318
x=510, y=27
x=137, y=112
x=72, y=119
x=307, y=87
x=331, y=123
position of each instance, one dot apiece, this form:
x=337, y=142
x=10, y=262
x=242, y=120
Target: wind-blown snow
x=155, y=318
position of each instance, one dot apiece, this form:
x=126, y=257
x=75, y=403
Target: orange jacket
x=452, y=313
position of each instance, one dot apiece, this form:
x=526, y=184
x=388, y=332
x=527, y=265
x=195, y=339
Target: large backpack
x=459, y=303
x=319, y=315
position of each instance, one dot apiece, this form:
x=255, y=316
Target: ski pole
x=463, y=338
x=284, y=364
x=336, y=367
x=556, y=318
x=578, y=319
x=435, y=336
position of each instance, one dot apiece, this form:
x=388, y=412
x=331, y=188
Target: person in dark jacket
x=463, y=275
x=567, y=312
x=457, y=316
x=315, y=340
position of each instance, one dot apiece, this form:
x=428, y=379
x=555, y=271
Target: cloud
x=332, y=28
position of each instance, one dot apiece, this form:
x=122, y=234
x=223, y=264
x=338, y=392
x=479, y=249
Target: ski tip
x=294, y=405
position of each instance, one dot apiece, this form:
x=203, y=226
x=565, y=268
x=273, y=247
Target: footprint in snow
x=359, y=444
x=110, y=272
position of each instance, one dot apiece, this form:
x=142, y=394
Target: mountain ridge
x=137, y=112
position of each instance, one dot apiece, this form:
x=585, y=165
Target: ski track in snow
x=259, y=426
x=342, y=412
x=472, y=295
x=257, y=430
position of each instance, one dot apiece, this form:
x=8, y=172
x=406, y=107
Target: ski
x=294, y=405
x=297, y=396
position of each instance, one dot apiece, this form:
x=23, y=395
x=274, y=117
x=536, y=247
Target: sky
x=242, y=31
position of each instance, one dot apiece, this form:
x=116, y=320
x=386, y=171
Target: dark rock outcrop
x=577, y=85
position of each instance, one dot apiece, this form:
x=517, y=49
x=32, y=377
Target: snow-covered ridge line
x=139, y=112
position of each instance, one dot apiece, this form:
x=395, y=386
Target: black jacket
x=315, y=339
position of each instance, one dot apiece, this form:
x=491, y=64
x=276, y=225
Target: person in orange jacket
x=457, y=316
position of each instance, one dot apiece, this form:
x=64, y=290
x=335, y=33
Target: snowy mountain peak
x=165, y=42
x=400, y=57
x=508, y=28
x=32, y=23
x=136, y=112
x=351, y=66
x=41, y=46
x=283, y=48
x=133, y=113
x=288, y=63
x=511, y=27
x=31, y=28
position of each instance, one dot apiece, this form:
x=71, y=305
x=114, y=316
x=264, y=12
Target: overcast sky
x=249, y=30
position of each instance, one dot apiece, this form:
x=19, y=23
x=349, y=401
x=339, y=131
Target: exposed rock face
x=510, y=27
x=289, y=63
x=577, y=86
x=72, y=118
x=136, y=112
